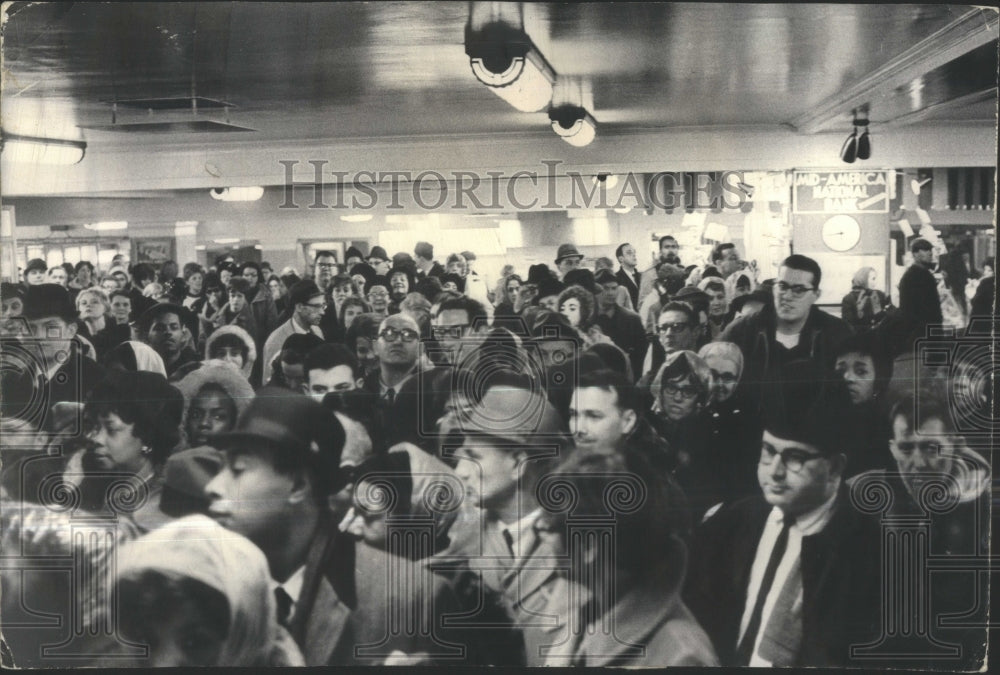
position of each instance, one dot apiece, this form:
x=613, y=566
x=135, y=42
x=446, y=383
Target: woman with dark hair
x=350, y=309
x=634, y=579
x=509, y=297
x=199, y=595
x=576, y=303
x=194, y=296
x=866, y=372
x=134, y=421
x=451, y=281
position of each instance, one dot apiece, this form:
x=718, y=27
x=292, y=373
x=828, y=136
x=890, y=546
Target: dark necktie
x=284, y=602
x=745, y=649
x=390, y=396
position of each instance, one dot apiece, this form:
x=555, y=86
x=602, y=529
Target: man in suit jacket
x=791, y=577
x=503, y=454
x=628, y=276
x=919, y=301
x=343, y=605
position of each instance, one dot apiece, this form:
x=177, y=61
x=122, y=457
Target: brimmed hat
x=515, y=415
x=303, y=292
x=48, y=300
x=548, y=325
x=185, y=476
x=379, y=253
x=567, y=251
x=550, y=286
x=289, y=424
x=353, y=252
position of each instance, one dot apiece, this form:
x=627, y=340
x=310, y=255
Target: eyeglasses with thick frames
x=665, y=328
x=453, y=332
x=673, y=391
x=313, y=305
x=404, y=334
x=793, y=458
x=797, y=290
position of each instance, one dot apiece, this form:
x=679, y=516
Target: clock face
x=841, y=233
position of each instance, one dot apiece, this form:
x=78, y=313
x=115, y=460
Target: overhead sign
x=840, y=192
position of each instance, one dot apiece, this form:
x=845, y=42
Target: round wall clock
x=841, y=233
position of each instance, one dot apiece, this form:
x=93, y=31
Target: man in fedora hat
x=277, y=488
x=379, y=260
x=567, y=258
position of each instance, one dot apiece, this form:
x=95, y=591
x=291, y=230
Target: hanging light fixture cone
x=849, y=152
x=864, y=149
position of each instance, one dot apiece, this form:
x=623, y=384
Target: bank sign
x=840, y=192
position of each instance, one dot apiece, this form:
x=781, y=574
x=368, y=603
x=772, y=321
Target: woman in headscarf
x=215, y=394
x=865, y=306
x=200, y=595
x=232, y=344
x=735, y=431
x=135, y=356
x=681, y=391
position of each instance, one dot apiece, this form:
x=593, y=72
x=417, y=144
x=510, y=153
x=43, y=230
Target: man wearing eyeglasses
x=792, y=328
x=790, y=576
x=398, y=351
x=308, y=305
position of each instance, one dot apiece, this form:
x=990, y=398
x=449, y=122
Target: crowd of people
x=386, y=460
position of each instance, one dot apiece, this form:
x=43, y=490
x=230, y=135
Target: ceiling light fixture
x=227, y=240
x=107, y=226
x=237, y=194
x=357, y=218
x=37, y=150
x=504, y=58
x=573, y=124
x=857, y=147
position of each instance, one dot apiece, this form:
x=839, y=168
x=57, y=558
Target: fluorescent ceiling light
x=199, y=247
x=48, y=151
x=107, y=226
x=237, y=194
x=357, y=218
x=227, y=240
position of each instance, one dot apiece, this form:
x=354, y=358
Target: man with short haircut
x=668, y=254
x=57, y=275
x=351, y=258
x=308, y=305
x=324, y=269
x=170, y=330
x=792, y=328
x=458, y=326
x=603, y=412
x=83, y=276
x=628, y=276
x=398, y=351
x=726, y=259
x=790, y=577
x=623, y=326
x=423, y=254
x=919, y=301
x=261, y=301
x=276, y=488
x=934, y=465
x=330, y=368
